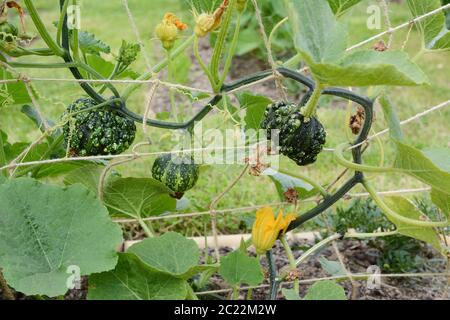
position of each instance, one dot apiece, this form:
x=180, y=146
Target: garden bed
x=358, y=257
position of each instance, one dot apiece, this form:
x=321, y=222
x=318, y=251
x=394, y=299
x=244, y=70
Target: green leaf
x=366, y=68
x=170, y=253
x=12, y=93
x=134, y=280
x=45, y=229
x=237, y=268
x=58, y=169
x=391, y=117
x=32, y=113
x=442, y=201
x=255, y=106
x=138, y=198
x=326, y=290
x=89, y=44
x=318, y=35
x=333, y=268
x=284, y=182
x=339, y=7
x=290, y=294
x=247, y=42
x=13, y=150
x=105, y=68
x=407, y=209
x=88, y=176
x=434, y=29
x=321, y=40
x=418, y=165
x=40, y=152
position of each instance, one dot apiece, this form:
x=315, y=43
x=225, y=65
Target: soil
x=358, y=257
x=242, y=66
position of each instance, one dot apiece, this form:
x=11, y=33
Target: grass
x=109, y=22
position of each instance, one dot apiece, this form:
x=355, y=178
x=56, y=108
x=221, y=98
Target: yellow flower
x=167, y=30
x=205, y=23
x=208, y=22
x=267, y=228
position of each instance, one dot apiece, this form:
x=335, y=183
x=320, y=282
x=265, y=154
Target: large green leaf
x=391, y=117
x=105, y=68
x=290, y=294
x=170, y=253
x=442, y=201
x=326, y=290
x=418, y=165
x=134, y=280
x=339, y=7
x=89, y=44
x=138, y=197
x=333, y=268
x=88, y=176
x=45, y=229
x=58, y=169
x=255, y=106
x=42, y=151
x=436, y=35
x=12, y=92
x=408, y=210
x=238, y=268
x=322, y=40
x=366, y=68
x=32, y=113
x=318, y=35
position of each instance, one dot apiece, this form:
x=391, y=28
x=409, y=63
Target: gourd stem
x=61, y=20
x=220, y=42
x=316, y=247
x=394, y=215
x=43, y=65
x=292, y=261
x=328, y=202
x=313, y=102
x=370, y=235
x=231, y=51
x=339, y=156
x=274, y=284
x=201, y=62
x=2, y=154
x=75, y=40
x=146, y=228
x=57, y=50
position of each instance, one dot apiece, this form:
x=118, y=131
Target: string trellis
x=213, y=212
